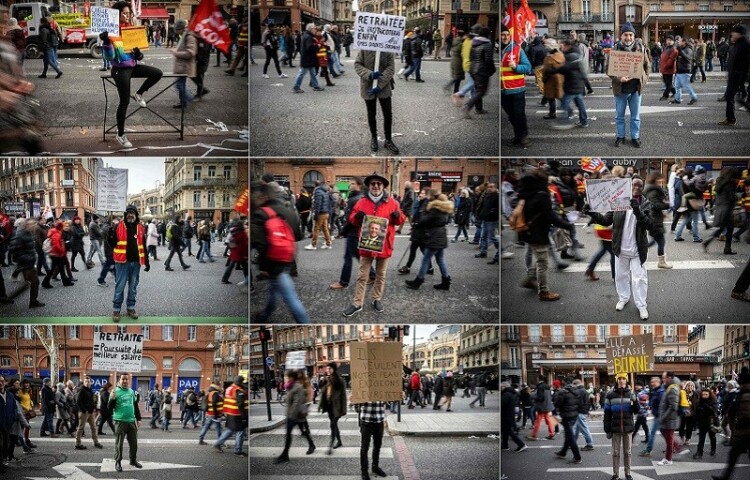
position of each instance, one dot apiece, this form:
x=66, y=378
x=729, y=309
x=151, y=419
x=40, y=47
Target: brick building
x=736, y=349
x=232, y=351
x=479, y=348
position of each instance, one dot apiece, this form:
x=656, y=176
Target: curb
x=270, y=426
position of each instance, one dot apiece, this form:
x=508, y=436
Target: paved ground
x=666, y=130
x=197, y=292
x=697, y=288
x=472, y=298
x=539, y=461
x=334, y=122
x=402, y=457
x=73, y=112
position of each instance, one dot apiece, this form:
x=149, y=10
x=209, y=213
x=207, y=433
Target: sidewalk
x=656, y=77
x=445, y=424
x=264, y=425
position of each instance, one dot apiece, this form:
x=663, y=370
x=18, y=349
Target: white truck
x=73, y=25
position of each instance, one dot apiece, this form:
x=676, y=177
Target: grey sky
x=143, y=172
x=423, y=331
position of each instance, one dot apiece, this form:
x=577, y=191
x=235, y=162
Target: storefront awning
x=693, y=18
x=154, y=13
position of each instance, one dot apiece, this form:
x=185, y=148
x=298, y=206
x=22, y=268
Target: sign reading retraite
x=120, y=352
x=111, y=189
x=378, y=32
x=609, y=195
x=630, y=354
x=376, y=371
x=625, y=64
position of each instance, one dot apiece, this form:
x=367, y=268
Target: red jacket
x=239, y=252
x=58, y=243
x=668, y=61
x=384, y=208
x=415, y=381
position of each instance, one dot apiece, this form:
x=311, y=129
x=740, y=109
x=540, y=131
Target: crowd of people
x=549, y=199
x=277, y=214
x=678, y=409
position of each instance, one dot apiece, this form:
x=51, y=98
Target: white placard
x=295, y=360
x=105, y=20
x=112, y=189
x=378, y=32
x=121, y=352
x=609, y=195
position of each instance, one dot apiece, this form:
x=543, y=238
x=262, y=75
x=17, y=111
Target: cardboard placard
x=609, y=195
x=378, y=32
x=133, y=37
x=372, y=234
x=105, y=20
x=121, y=352
x=376, y=370
x=625, y=64
x=295, y=360
x=630, y=354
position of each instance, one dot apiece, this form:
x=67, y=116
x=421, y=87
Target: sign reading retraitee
x=376, y=371
x=609, y=195
x=378, y=32
x=625, y=64
x=112, y=189
x=121, y=352
x=630, y=354
x=105, y=20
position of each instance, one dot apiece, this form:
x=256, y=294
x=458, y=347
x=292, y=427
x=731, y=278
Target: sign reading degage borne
x=122, y=352
x=112, y=189
x=378, y=32
x=376, y=371
x=625, y=64
x=630, y=354
x=609, y=195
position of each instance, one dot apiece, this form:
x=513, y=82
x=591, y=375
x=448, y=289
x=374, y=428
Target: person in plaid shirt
x=371, y=418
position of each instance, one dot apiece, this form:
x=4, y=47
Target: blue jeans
x=207, y=426
x=48, y=424
x=461, y=228
x=337, y=62
x=205, y=251
x=351, y=252
x=190, y=416
x=689, y=216
x=582, y=427
x=126, y=272
x=633, y=102
x=478, y=233
x=282, y=285
x=415, y=68
x=655, y=65
x=185, y=96
x=660, y=241
x=578, y=100
x=301, y=75
x=239, y=438
x=50, y=60
x=106, y=63
x=165, y=423
x=606, y=247
x=108, y=263
x=682, y=80
x=654, y=431
x=427, y=259
x=468, y=87
x=488, y=233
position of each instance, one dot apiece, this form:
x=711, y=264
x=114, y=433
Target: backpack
x=280, y=238
x=517, y=219
x=190, y=400
x=47, y=245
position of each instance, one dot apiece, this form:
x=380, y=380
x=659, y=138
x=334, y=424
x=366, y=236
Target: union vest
x=121, y=249
x=219, y=404
x=231, y=409
x=508, y=77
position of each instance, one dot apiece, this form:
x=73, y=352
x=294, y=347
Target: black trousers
x=668, y=86
x=58, y=266
x=570, y=440
x=514, y=105
x=733, y=87
x=702, y=439
x=369, y=431
x=335, y=433
x=201, y=68
x=385, y=105
x=743, y=283
x=122, y=78
x=640, y=422
x=272, y=54
x=740, y=445
x=304, y=428
x=481, y=84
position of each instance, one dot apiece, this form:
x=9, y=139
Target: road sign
x=269, y=361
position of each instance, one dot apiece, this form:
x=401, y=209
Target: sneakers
x=324, y=247
x=587, y=448
x=620, y=305
x=265, y=75
x=521, y=448
x=283, y=75
x=645, y=453
x=506, y=255
x=311, y=247
x=377, y=306
x=643, y=313
x=559, y=455
x=351, y=310
x=664, y=462
x=575, y=461
x=138, y=98
x=123, y=141
x=547, y=296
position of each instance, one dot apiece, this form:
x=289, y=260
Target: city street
x=334, y=122
x=161, y=454
x=163, y=297
x=696, y=289
x=413, y=455
x=73, y=111
x=539, y=461
x=472, y=298
x=666, y=130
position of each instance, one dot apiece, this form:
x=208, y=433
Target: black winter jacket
x=490, y=210
x=706, y=413
x=508, y=404
x=407, y=203
x=433, y=223
x=574, y=76
x=85, y=400
x=463, y=213
x=659, y=201
x=308, y=51
x=619, y=407
x=76, y=238
x=583, y=397
x=415, y=46
x=23, y=248
x=538, y=211
x=738, y=61
x=684, y=59
x=481, y=56
x=567, y=401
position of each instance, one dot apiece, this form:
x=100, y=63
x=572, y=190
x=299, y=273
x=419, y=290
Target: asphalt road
x=539, y=461
x=333, y=122
x=472, y=298
x=666, y=130
x=401, y=457
x=696, y=289
x=161, y=454
x=197, y=292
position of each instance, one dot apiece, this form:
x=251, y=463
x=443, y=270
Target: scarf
x=374, y=198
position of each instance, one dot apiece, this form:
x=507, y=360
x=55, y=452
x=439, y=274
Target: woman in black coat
x=333, y=402
x=416, y=236
x=726, y=187
x=433, y=224
x=76, y=242
x=463, y=215
x=706, y=416
x=659, y=202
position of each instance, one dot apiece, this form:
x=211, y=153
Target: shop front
x=710, y=25
x=446, y=182
x=588, y=370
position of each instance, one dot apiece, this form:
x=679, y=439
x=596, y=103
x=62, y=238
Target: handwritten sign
x=121, y=352
x=630, y=354
x=376, y=371
x=77, y=20
x=378, y=32
x=133, y=37
x=625, y=64
x=372, y=234
x=111, y=189
x=105, y=20
x=295, y=360
x=609, y=195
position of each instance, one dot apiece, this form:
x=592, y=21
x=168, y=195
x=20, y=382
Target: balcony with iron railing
x=510, y=364
x=479, y=346
x=32, y=165
x=584, y=18
x=201, y=183
x=568, y=339
x=31, y=188
x=512, y=337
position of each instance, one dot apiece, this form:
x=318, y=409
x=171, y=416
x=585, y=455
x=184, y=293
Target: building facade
x=293, y=13
x=736, y=349
x=149, y=201
x=232, y=351
x=66, y=185
x=439, y=352
x=440, y=14
x=257, y=359
x=479, y=348
x=173, y=355
x=203, y=189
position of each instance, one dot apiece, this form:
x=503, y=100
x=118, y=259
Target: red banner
x=208, y=23
x=242, y=205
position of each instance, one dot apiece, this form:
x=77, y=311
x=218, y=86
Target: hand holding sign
x=609, y=195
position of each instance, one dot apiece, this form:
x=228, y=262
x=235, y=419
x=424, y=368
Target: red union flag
x=208, y=23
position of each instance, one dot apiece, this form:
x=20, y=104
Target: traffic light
x=406, y=330
x=746, y=349
x=264, y=334
x=392, y=332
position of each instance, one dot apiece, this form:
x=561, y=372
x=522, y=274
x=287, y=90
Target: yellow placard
x=133, y=37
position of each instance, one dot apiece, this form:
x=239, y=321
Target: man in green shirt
x=124, y=406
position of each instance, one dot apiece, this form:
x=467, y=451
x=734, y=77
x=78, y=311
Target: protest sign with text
x=121, y=352
x=625, y=64
x=111, y=189
x=378, y=32
x=630, y=354
x=133, y=37
x=105, y=20
x=609, y=195
x=376, y=371
x=295, y=360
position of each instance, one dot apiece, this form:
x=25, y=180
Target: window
x=227, y=171
x=580, y=333
x=669, y=352
x=97, y=328
x=230, y=350
x=226, y=198
x=28, y=361
x=601, y=333
x=4, y=331
x=122, y=329
x=654, y=7
x=75, y=361
x=580, y=354
x=342, y=351
x=211, y=171
x=167, y=332
x=211, y=199
x=513, y=351
x=728, y=8
x=51, y=199
x=146, y=331
x=50, y=176
x=648, y=329
x=5, y=361
x=330, y=353
x=586, y=8
x=197, y=198
x=69, y=199
x=679, y=8
x=630, y=12
x=341, y=330
x=75, y=332
x=196, y=173
x=557, y=333
x=167, y=362
x=310, y=177
x=558, y=355
x=192, y=333
x=669, y=330
x=27, y=331
x=567, y=9
x=68, y=174
x=534, y=333
x=317, y=332
x=703, y=8
x=624, y=329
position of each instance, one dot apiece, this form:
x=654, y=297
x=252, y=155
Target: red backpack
x=280, y=238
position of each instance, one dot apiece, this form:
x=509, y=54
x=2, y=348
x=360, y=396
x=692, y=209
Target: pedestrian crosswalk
x=676, y=265
x=308, y=477
x=320, y=452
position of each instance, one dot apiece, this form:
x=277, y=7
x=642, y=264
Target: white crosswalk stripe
x=315, y=477
x=603, y=266
x=318, y=432
x=320, y=452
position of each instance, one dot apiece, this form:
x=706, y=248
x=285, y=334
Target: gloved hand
x=104, y=36
x=395, y=215
x=148, y=267
x=373, y=92
x=137, y=55
x=375, y=75
x=609, y=436
x=586, y=209
x=636, y=207
x=359, y=217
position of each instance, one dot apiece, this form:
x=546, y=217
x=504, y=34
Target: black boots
x=444, y=285
x=414, y=284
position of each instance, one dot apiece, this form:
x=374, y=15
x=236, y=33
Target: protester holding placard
x=371, y=422
x=365, y=67
x=127, y=416
x=619, y=407
x=124, y=67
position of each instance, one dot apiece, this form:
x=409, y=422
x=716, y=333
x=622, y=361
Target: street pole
x=266, y=373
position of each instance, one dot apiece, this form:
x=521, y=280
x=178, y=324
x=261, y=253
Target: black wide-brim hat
x=378, y=176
